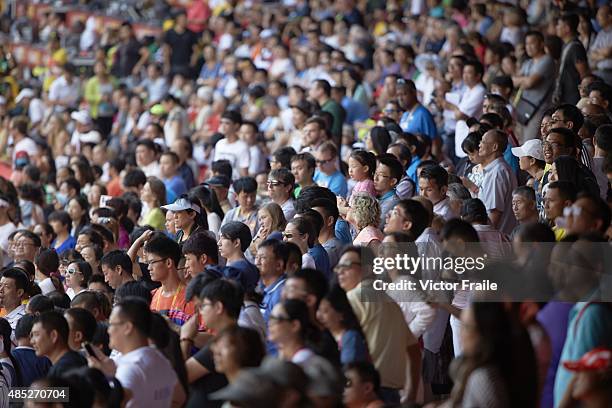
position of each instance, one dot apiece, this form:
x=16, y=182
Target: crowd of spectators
x=189, y=218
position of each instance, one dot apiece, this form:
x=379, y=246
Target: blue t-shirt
x=419, y=121
x=271, y=297
x=249, y=270
x=336, y=182
x=321, y=259
x=588, y=329
x=70, y=243
x=412, y=169
x=176, y=184
x=31, y=366
x=511, y=159
x=353, y=347
x=342, y=230
x=355, y=110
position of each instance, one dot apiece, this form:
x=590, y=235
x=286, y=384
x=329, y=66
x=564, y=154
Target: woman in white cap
x=189, y=218
x=531, y=160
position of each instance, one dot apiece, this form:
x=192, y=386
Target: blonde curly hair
x=366, y=210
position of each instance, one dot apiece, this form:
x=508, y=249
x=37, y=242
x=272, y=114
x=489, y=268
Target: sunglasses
x=323, y=161
x=72, y=271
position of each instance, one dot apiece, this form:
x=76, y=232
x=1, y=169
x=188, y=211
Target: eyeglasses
x=290, y=235
x=273, y=183
x=321, y=162
x=23, y=244
x=342, y=267
x=72, y=271
x=401, y=81
x=279, y=318
x=156, y=261
x=348, y=383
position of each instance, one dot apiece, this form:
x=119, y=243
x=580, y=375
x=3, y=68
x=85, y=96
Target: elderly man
x=498, y=181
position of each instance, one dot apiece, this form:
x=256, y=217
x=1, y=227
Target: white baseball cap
x=25, y=93
x=82, y=117
x=531, y=148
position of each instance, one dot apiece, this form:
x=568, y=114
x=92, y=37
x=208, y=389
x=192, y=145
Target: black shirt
x=71, y=359
x=209, y=383
x=182, y=47
x=127, y=56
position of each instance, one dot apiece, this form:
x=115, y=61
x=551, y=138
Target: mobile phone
x=90, y=350
x=104, y=199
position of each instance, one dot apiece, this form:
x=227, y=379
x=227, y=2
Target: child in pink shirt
x=362, y=165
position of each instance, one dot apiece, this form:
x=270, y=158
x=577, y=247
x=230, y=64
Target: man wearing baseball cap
x=531, y=160
x=84, y=134
x=591, y=386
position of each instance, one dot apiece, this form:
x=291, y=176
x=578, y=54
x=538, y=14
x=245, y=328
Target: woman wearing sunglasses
x=77, y=278
x=291, y=330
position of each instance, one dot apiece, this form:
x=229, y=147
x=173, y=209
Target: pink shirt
x=364, y=186
x=367, y=235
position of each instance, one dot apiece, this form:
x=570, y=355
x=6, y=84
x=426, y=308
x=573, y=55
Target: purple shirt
x=554, y=318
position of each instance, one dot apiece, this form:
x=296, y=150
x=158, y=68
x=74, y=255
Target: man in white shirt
x=498, y=181
x=146, y=375
x=433, y=184
x=64, y=91
x=21, y=142
x=470, y=104
x=84, y=132
x=146, y=158
x=231, y=148
x=33, y=106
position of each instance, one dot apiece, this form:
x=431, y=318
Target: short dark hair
x=61, y=216
x=279, y=249
x=535, y=33
x=21, y=279
x=200, y=244
x=30, y=235
x=222, y=167
x=226, y=291
x=136, y=311
x=314, y=218
x=476, y=64
x=47, y=261
x=329, y=207
x=395, y=167
x=237, y=230
x=24, y=326
x=304, y=226
x=40, y=303
x=567, y=189
x=94, y=236
x=165, y=247
x=525, y=191
x=436, y=173
x=603, y=138
x=367, y=373
x=572, y=20
x=316, y=282
x=283, y=175
x=134, y=178
x=459, y=228
x=474, y=210
x=603, y=210
x=471, y=142
x=54, y=320
x=308, y=158
x=117, y=258
x=197, y=283
x=149, y=144
x=418, y=215
x=284, y=156
x=572, y=114
x=323, y=84
x=83, y=321
x=245, y=184
x=174, y=156
x=232, y=115
x=568, y=135
x=90, y=300
x=133, y=289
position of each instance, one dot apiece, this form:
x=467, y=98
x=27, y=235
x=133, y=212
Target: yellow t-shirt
x=155, y=218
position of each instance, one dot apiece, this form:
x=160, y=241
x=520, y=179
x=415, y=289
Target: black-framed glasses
x=273, y=183
x=321, y=162
x=156, y=261
x=279, y=318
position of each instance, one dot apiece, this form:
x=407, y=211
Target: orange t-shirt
x=173, y=307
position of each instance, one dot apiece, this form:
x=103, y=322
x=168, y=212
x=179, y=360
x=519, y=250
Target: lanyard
x=161, y=293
